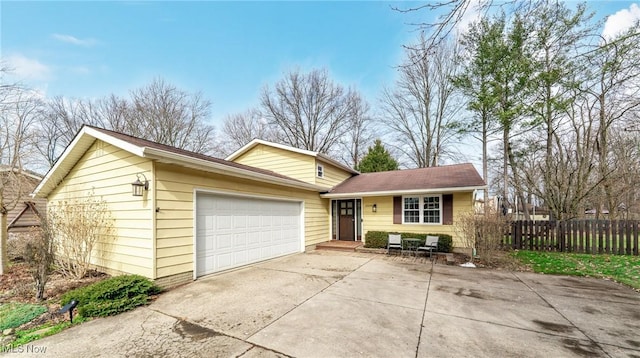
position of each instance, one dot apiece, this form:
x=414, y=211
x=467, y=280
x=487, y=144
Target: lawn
x=623, y=269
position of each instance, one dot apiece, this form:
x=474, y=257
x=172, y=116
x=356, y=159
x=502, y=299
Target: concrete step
x=337, y=245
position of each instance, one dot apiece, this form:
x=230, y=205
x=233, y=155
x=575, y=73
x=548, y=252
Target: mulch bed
x=18, y=286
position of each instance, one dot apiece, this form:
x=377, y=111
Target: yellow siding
x=109, y=172
x=333, y=175
x=174, y=229
x=382, y=220
x=295, y=165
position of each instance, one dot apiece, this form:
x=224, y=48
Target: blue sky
x=227, y=50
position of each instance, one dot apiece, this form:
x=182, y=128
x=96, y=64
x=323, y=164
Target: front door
x=346, y=220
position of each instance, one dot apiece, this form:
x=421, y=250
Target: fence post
x=630, y=230
x=607, y=245
x=636, y=228
x=560, y=234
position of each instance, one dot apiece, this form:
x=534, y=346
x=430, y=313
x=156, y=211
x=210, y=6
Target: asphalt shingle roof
x=449, y=176
x=167, y=148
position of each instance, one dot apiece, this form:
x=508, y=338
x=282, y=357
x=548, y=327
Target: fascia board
x=205, y=165
x=402, y=192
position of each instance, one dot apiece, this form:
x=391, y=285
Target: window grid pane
x=431, y=208
x=412, y=210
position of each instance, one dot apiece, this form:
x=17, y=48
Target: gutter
x=402, y=192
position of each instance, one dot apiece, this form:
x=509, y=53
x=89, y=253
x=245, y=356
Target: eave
x=402, y=192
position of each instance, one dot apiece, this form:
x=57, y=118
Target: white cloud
x=621, y=21
x=472, y=14
x=27, y=68
x=74, y=40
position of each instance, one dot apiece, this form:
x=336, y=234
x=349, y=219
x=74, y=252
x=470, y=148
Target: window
x=422, y=209
x=412, y=210
x=320, y=171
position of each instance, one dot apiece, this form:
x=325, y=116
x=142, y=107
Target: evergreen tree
x=378, y=159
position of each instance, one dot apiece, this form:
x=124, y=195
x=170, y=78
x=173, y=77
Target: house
x=23, y=211
x=199, y=215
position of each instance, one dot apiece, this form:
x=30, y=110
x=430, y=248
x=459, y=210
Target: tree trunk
x=485, y=167
x=4, y=261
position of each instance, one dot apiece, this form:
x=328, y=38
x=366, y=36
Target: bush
x=13, y=315
x=379, y=239
x=112, y=296
x=38, y=253
x=80, y=225
x=376, y=239
x=483, y=232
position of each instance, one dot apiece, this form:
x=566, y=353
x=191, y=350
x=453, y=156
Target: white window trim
x=421, y=209
x=320, y=171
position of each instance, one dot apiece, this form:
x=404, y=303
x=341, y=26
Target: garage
x=233, y=231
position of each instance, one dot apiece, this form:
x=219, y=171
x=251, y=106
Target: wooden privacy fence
x=619, y=237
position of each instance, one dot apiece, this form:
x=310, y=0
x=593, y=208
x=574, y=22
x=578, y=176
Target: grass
x=15, y=314
x=623, y=269
x=45, y=330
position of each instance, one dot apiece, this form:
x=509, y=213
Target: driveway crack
x=424, y=310
x=593, y=342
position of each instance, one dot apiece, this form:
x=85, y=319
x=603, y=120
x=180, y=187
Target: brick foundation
x=175, y=280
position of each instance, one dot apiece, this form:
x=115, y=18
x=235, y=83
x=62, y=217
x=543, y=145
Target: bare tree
x=159, y=112
x=456, y=13
x=360, y=135
x=421, y=109
x=165, y=114
x=613, y=91
x=19, y=110
x=241, y=128
x=309, y=110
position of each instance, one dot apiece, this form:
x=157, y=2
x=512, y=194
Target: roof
x=321, y=156
x=155, y=151
x=25, y=172
x=442, y=179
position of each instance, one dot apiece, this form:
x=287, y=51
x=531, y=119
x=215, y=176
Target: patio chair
x=430, y=244
x=394, y=242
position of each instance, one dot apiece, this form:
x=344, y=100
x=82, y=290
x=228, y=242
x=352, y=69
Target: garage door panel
x=223, y=222
x=240, y=240
x=235, y=231
x=221, y=241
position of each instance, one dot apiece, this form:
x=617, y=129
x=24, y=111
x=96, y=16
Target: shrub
x=14, y=314
x=379, y=239
x=38, y=253
x=484, y=232
x=445, y=242
x=112, y=296
x=376, y=239
x=79, y=225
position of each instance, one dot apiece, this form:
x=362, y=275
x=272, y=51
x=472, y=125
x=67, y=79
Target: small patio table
x=410, y=245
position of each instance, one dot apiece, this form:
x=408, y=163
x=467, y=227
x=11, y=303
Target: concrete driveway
x=325, y=304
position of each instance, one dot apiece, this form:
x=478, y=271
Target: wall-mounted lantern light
x=374, y=208
x=137, y=186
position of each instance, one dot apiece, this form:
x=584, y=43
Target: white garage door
x=234, y=231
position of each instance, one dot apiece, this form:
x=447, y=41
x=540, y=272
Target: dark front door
x=346, y=220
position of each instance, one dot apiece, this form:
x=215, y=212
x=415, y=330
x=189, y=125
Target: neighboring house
x=201, y=215
x=24, y=211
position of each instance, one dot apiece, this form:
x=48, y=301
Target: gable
x=333, y=175
x=292, y=164
x=28, y=216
